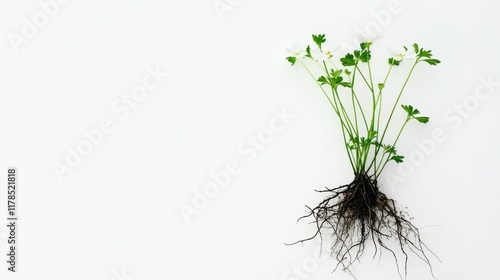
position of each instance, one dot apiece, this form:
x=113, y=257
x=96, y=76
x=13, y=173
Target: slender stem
x=370, y=130
x=353, y=92
x=336, y=109
x=378, y=104
x=377, y=150
x=339, y=103
x=322, y=89
x=370, y=72
x=348, y=150
x=394, y=145
x=379, y=97
x=373, y=95
x=363, y=76
x=353, y=95
x=362, y=113
x=397, y=100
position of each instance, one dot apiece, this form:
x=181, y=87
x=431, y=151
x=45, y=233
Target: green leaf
x=319, y=39
x=348, y=60
x=398, y=159
x=334, y=79
x=376, y=144
x=412, y=112
x=292, y=59
x=335, y=74
x=389, y=149
x=365, y=45
x=354, y=142
x=323, y=80
x=408, y=109
x=424, y=53
x=308, y=51
x=337, y=80
x=422, y=119
x=380, y=86
x=394, y=62
x=415, y=48
x=432, y=61
x=365, y=56
x=372, y=134
x=365, y=142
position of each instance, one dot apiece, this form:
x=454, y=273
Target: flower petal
x=365, y=38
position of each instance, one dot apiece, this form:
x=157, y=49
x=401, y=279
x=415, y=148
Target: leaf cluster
x=334, y=79
x=425, y=55
x=413, y=114
x=367, y=149
x=363, y=54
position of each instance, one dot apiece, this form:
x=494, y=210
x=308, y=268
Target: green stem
x=378, y=104
x=394, y=145
x=363, y=76
x=336, y=109
x=353, y=95
x=338, y=102
x=377, y=150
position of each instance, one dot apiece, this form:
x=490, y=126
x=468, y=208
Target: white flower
x=401, y=53
x=298, y=50
x=329, y=50
x=366, y=38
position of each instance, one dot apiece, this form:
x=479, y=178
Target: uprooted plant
x=358, y=213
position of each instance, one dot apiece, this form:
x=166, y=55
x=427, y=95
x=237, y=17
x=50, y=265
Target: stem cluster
x=363, y=128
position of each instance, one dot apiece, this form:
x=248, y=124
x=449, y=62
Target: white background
x=117, y=214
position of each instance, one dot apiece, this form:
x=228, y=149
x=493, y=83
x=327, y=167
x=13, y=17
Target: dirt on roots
x=359, y=212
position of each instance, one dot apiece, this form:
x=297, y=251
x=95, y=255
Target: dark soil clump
x=360, y=212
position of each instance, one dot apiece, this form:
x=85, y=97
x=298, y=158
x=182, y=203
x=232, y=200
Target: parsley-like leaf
x=424, y=53
x=319, y=39
x=365, y=45
x=394, y=62
x=398, y=159
x=432, y=61
x=346, y=84
x=308, y=51
x=348, y=60
x=408, y=109
x=415, y=48
x=365, y=55
x=422, y=119
x=390, y=149
x=323, y=80
x=292, y=59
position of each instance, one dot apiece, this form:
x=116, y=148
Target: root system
x=358, y=214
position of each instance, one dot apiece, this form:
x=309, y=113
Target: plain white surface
x=116, y=215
